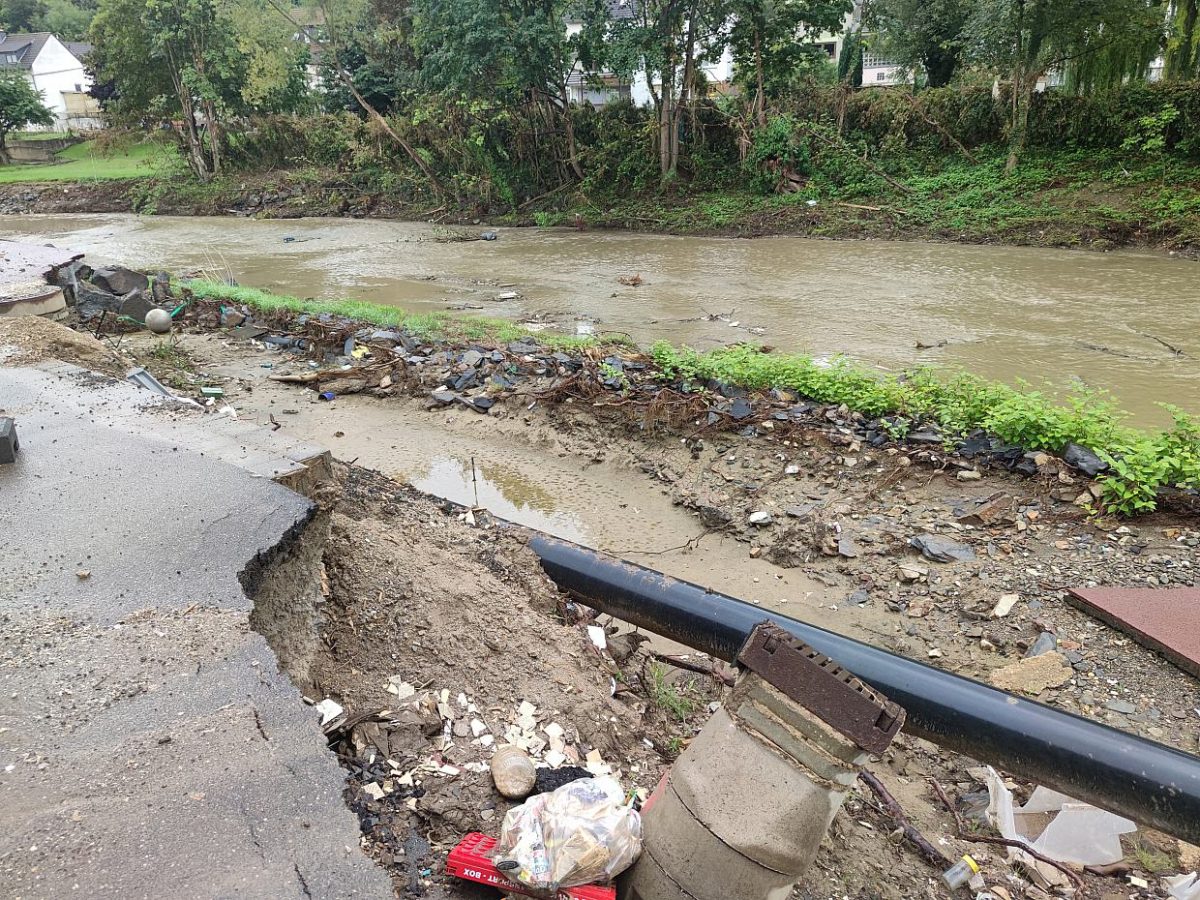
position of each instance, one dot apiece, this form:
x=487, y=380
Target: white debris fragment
x=599, y=638
x=478, y=727
x=329, y=710
x=1005, y=605
x=401, y=688
x=374, y=791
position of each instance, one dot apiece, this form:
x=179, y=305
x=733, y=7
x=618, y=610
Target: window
x=830, y=49
x=881, y=76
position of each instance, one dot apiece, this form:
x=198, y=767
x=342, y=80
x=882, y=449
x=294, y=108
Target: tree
x=22, y=15
x=767, y=37
x=67, y=20
x=20, y=106
x=516, y=52
x=1183, y=44
x=923, y=33
x=199, y=62
x=1026, y=39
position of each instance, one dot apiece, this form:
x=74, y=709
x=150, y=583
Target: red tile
x=1167, y=620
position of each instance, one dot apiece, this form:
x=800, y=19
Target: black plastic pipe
x=1134, y=777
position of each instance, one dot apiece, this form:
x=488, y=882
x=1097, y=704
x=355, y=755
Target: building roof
x=78, y=49
x=18, y=51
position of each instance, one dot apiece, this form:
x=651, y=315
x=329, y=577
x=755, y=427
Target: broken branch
x=931, y=853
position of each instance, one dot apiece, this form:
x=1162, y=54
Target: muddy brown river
x=1125, y=322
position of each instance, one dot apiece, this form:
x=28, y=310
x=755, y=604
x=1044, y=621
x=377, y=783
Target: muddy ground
x=416, y=593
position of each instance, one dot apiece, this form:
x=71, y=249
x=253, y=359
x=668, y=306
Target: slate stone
x=941, y=549
x=119, y=280
x=135, y=305
x=1084, y=460
x=1046, y=643
x=92, y=301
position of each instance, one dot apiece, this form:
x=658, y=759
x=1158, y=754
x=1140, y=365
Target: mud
x=416, y=591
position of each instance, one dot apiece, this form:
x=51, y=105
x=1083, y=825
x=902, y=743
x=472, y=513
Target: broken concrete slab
x=1166, y=620
x=192, y=766
x=1033, y=674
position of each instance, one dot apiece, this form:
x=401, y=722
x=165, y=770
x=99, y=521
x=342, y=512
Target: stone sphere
x=158, y=321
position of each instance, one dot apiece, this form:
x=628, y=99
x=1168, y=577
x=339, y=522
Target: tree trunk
x=214, y=136
x=1024, y=82
x=1183, y=51
x=569, y=124
x=760, y=101
x=665, y=118
x=685, y=91
x=4, y=160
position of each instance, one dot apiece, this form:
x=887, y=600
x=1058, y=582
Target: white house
x=56, y=71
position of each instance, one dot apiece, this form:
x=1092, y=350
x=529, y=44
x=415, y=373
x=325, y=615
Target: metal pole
x=1147, y=781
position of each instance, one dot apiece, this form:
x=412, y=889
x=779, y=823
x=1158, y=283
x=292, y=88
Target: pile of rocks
x=114, y=290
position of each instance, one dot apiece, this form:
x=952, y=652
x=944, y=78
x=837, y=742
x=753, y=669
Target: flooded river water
x=1129, y=323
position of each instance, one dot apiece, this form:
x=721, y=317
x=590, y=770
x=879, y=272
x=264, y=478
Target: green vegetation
x=1142, y=463
x=666, y=696
x=427, y=326
x=20, y=106
x=89, y=162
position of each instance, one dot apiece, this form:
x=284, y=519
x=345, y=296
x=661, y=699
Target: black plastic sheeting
x=1134, y=777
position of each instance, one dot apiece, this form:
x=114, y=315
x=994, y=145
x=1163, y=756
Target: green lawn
x=82, y=163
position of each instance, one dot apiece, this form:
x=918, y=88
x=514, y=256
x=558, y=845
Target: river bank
x=1058, y=203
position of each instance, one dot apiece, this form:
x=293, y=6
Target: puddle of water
x=502, y=490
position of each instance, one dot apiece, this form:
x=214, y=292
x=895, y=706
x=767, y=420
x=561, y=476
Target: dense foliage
x=20, y=106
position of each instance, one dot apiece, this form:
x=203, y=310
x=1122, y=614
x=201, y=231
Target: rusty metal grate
x=822, y=687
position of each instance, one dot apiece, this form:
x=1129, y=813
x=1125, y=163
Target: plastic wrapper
x=579, y=834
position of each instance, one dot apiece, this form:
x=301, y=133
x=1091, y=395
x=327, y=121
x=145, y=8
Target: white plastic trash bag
x=1183, y=887
x=584, y=832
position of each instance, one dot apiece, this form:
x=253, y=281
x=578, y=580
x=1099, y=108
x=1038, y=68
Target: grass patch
x=85, y=162
x=426, y=326
x=667, y=697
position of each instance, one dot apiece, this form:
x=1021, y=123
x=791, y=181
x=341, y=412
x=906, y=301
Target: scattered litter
x=471, y=861
x=961, y=873
x=513, y=772
x=328, y=396
x=581, y=833
x=1066, y=830
x=144, y=379
x=599, y=638
x=1183, y=887
x=401, y=688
